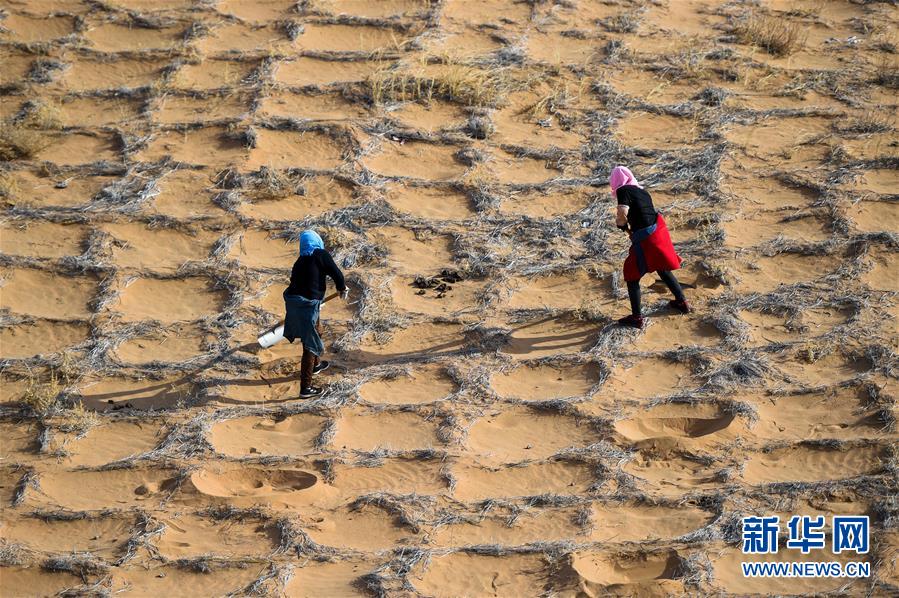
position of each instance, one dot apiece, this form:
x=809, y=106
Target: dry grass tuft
x=621, y=23
x=11, y=554
x=479, y=126
x=78, y=420
x=377, y=314
x=40, y=395
x=778, y=37
x=17, y=141
x=8, y=186
x=272, y=184
x=480, y=184
x=83, y=564
x=480, y=176
x=458, y=83
x=870, y=122
x=589, y=310
x=335, y=239
x=887, y=74
x=41, y=114
x=560, y=95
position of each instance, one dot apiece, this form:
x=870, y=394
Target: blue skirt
x=300, y=322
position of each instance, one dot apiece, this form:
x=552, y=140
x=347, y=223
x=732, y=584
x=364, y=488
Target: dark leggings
x=633, y=290
x=309, y=361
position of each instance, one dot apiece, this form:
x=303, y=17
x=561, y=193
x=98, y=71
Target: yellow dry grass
x=19, y=142
x=8, y=186
x=466, y=85
x=777, y=36
x=42, y=114
x=40, y=395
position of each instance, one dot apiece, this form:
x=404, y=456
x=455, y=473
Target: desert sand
x=487, y=429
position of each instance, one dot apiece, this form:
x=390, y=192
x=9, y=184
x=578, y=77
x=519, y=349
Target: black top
x=641, y=212
x=307, y=278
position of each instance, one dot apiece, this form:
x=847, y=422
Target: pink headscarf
x=621, y=176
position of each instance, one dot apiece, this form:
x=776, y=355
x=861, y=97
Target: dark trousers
x=309, y=361
x=633, y=290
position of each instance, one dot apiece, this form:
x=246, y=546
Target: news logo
x=761, y=536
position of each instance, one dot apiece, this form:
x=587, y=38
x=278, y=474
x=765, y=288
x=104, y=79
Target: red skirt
x=651, y=251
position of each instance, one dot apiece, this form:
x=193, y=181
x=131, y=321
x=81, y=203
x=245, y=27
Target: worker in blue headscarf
x=303, y=299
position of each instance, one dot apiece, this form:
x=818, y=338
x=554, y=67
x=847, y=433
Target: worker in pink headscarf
x=651, y=248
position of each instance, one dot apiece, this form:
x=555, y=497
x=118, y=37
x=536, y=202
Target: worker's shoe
x=310, y=392
x=680, y=305
x=632, y=321
x=321, y=366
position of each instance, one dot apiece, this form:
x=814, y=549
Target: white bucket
x=272, y=337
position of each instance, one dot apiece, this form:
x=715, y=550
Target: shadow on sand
x=167, y=394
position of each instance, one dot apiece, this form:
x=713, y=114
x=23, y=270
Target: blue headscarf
x=309, y=242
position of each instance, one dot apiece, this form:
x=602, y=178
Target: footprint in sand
x=679, y=421
x=251, y=482
x=650, y=573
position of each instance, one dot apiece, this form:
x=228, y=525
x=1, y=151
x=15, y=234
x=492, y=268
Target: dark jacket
x=641, y=213
x=307, y=278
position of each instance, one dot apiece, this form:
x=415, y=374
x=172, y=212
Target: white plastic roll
x=272, y=337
